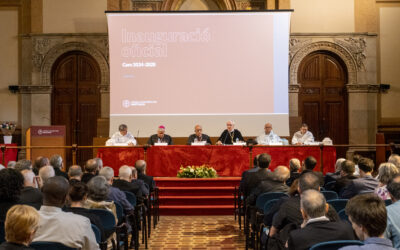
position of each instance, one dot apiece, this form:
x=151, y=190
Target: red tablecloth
x=10, y=154
x=281, y=155
x=165, y=161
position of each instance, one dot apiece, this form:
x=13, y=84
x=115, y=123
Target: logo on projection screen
x=126, y=103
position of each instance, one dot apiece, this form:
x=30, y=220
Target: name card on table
x=199, y=143
x=239, y=143
x=275, y=143
x=161, y=144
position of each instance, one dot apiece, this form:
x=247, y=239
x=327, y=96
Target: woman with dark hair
x=11, y=184
x=77, y=196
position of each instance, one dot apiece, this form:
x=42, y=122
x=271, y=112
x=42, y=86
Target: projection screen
x=179, y=69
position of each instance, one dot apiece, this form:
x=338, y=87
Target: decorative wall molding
x=35, y=89
x=357, y=47
x=363, y=88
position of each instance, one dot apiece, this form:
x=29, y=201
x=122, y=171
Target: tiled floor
x=196, y=232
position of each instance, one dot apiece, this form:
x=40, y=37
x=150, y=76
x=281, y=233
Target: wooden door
x=76, y=100
x=323, y=96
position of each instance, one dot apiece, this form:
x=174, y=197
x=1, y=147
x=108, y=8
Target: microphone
x=227, y=132
x=137, y=137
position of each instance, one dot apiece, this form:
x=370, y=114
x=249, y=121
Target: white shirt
x=118, y=138
x=265, y=139
x=307, y=138
x=69, y=229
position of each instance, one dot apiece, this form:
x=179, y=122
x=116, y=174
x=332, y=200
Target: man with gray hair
x=140, y=166
x=91, y=170
x=230, y=134
x=124, y=182
x=11, y=164
x=294, y=166
x=45, y=173
x=57, y=162
x=122, y=137
x=99, y=162
x=316, y=227
x=115, y=194
x=30, y=194
x=395, y=159
x=75, y=173
x=23, y=164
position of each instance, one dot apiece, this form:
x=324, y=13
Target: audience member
x=346, y=175
x=308, y=166
x=393, y=212
x=356, y=158
x=395, y=159
x=366, y=183
x=75, y=174
x=39, y=163
x=254, y=178
x=143, y=187
x=124, y=183
x=367, y=214
x=316, y=227
x=386, y=173
x=141, y=166
x=23, y=164
x=294, y=166
x=98, y=195
x=244, y=174
x=2, y=167
x=57, y=162
x=20, y=226
x=55, y=225
x=329, y=177
x=91, y=169
x=46, y=172
x=11, y=184
x=11, y=164
x=114, y=193
x=77, y=196
x=99, y=162
x=30, y=194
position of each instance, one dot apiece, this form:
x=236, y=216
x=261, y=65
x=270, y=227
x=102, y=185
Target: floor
x=196, y=232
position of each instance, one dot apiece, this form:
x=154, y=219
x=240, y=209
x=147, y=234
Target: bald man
x=198, y=136
x=160, y=137
x=269, y=136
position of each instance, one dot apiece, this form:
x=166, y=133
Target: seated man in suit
x=30, y=194
x=367, y=214
x=329, y=177
x=198, y=136
x=366, y=183
x=124, y=182
x=303, y=137
x=346, y=176
x=294, y=166
x=140, y=166
x=230, y=134
x=246, y=172
x=316, y=227
x=254, y=178
x=308, y=166
x=160, y=137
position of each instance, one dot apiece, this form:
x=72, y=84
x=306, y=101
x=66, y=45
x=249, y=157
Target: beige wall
x=198, y=5
x=390, y=59
x=74, y=16
x=315, y=16
x=8, y=64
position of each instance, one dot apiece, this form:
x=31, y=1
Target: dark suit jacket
x=58, y=172
x=266, y=186
x=86, y=177
x=154, y=139
x=360, y=185
x=204, y=137
x=13, y=246
x=329, y=177
x=293, y=176
x=254, y=178
x=148, y=180
x=319, y=174
x=319, y=231
x=342, y=182
x=225, y=138
x=244, y=175
x=129, y=187
x=31, y=196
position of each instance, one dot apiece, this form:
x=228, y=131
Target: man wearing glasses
x=198, y=136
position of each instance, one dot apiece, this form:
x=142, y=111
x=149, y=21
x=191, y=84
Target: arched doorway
x=322, y=77
x=75, y=77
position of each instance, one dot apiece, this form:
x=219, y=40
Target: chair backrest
x=388, y=202
x=334, y=245
x=269, y=204
x=342, y=215
x=2, y=232
x=47, y=245
x=263, y=198
x=131, y=197
x=330, y=195
x=97, y=233
x=338, y=204
x=120, y=211
x=106, y=217
x=330, y=185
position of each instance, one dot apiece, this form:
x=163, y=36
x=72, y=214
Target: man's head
x=310, y=163
x=98, y=188
x=356, y=158
x=308, y=181
x=367, y=214
x=91, y=166
x=29, y=178
x=303, y=128
x=313, y=204
x=134, y=172
x=55, y=191
x=161, y=131
x=338, y=165
x=281, y=174
x=123, y=129
x=366, y=166
x=140, y=166
x=387, y=171
x=21, y=224
x=198, y=130
x=107, y=173
x=394, y=188
x=41, y=162
x=267, y=128
x=11, y=164
x=99, y=163
x=23, y=164
x=125, y=173
x=264, y=160
x=75, y=172
x=230, y=125
x=56, y=161
x=11, y=184
x=46, y=173
x=255, y=160
x=348, y=168
x=395, y=159
x=294, y=165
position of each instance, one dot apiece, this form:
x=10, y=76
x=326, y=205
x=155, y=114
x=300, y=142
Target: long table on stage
x=165, y=161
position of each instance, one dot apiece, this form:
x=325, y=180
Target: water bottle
x=195, y=139
x=237, y=140
x=159, y=141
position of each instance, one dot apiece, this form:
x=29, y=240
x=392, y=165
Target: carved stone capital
x=294, y=88
x=356, y=46
x=363, y=88
x=104, y=89
x=35, y=89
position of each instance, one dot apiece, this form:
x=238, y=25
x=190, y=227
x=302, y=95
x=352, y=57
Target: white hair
x=28, y=177
x=46, y=172
x=125, y=171
x=338, y=165
x=107, y=173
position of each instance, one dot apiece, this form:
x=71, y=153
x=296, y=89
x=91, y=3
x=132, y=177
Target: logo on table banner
x=47, y=131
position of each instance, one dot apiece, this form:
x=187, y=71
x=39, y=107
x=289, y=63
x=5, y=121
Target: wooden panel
x=334, y=129
x=311, y=69
x=311, y=116
x=332, y=70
